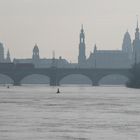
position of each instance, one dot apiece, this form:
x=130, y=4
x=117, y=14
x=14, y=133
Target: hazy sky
x=55, y=25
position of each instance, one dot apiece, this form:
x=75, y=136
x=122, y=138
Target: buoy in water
x=58, y=91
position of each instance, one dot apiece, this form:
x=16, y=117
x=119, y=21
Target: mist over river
x=77, y=113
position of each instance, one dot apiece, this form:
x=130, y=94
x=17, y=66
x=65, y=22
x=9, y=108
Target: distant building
x=43, y=62
x=1, y=53
x=82, y=47
x=106, y=58
x=35, y=56
x=8, y=59
x=123, y=58
x=127, y=45
x=2, y=57
x=136, y=46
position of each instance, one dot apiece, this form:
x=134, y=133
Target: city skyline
x=26, y=22
x=127, y=47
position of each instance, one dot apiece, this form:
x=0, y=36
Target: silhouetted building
x=4, y=59
x=57, y=62
x=136, y=46
x=82, y=47
x=42, y=62
x=8, y=59
x=127, y=45
x=123, y=58
x=108, y=59
x=1, y=53
x=35, y=56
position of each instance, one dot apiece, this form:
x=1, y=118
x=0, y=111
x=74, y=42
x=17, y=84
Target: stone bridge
x=57, y=74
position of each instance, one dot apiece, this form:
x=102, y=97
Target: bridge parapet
x=57, y=74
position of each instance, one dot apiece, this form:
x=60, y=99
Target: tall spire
x=137, y=34
x=82, y=46
x=82, y=28
x=53, y=54
x=8, y=59
x=95, y=48
x=137, y=29
x=82, y=35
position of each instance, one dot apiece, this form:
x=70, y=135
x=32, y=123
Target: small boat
x=58, y=91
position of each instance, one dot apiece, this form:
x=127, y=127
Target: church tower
x=1, y=53
x=82, y=47
x=35, y=56
x=8, y=59
x=136, y=46
x=127, y=45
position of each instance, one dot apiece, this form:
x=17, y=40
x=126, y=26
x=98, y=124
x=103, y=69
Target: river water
x=78, y=113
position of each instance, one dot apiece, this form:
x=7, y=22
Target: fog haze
x=55, y=25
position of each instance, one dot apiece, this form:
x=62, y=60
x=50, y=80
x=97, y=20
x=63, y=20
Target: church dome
x=127, y=38
x=127, y=35
x=127, y=45
x=36, y=49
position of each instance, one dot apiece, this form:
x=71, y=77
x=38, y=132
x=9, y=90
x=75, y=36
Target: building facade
x=43, y=62
x=4, y=59
x=108, y=58
x=127, y=45
x=136, y=46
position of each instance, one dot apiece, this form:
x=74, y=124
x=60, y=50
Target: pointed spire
x=95, y=48
x=137, y=34
x=137, y=29
x=36, y=45
x=8, y=59
x=82, y=35
x=82, y=28
x=137, y=22
x=36, y=49
x=53, y=54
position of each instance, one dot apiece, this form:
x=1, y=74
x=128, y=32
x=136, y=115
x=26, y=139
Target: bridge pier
x=53, y=77
x=16, y=83
x=95, y=83
x=54, y=82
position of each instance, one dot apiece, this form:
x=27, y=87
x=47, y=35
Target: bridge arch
x=114, y=79
x=78, y=79
x=35, y=79
x=6, y=79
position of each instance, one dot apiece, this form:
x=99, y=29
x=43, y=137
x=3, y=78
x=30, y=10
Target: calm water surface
x=78, y=113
